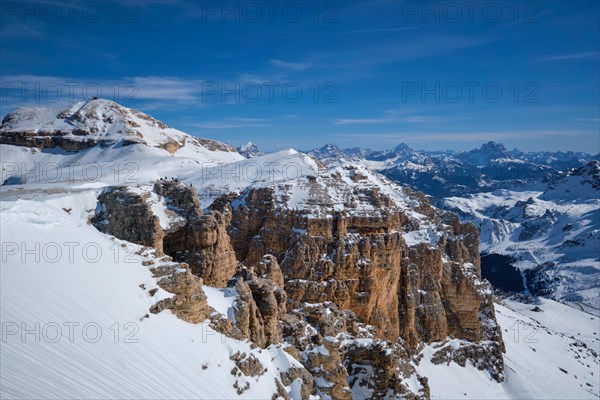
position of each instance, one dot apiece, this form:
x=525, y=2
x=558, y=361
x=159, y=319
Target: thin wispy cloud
x=155, y=92
x=296, y=66
x=395, y=116
x=256, y=79
x=167, y=88
x=406, y=28
x=19, y=30
x=232, y=123
x=570, y=57
x=362, y=121
x=256, y=120
x=427, y=137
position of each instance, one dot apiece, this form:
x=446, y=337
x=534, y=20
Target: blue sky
x=435, y=75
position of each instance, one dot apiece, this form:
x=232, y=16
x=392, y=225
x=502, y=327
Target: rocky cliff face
x=345, y=271
x=423, y=292
x=189, y=300
x=127, y=215
x=346, y=357
x=202, y=241
x=260, y=307
x=406, y=273
x=185, y=233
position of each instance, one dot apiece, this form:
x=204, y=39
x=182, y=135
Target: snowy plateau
x=139, y=262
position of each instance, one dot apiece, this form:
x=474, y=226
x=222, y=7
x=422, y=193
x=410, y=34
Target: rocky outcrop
x=204, y=244
x=379, y=367
x=193, y=237
x=423, y=292
x=52, y=139
x=345, y=356
x=259, y=308
x=97, y=122
x=307, y=386
x=202, y=241
x=180, y=198
x=268, y=268
x=324, y=362
x=312, y=330
x=128, y=216
x=248, y=365
x=189, y=301
x=395, y=290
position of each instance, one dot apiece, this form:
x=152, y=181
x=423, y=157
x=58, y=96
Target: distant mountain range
x=451, y=173
x=551, y=236
x=538, y=213
x=287, y=275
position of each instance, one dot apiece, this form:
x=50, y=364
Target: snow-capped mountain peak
x=575, y=184
x=249, y=150
x=486, y=153
x=95, y=122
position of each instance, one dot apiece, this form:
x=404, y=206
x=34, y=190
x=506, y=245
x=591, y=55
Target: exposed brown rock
x=211, y=145
x=181, y=199
x=43, y=140
x=202, y=241
x=376, y=366
x=199, y=239
x=248, y=365
x=307, y=379
x=204, y=244
x=363, y=264
x=259, y=308
x=171, y=146
x=189, y=302
x=379, y=366
x=269, y=268
x=325, y=364
x=127, y=216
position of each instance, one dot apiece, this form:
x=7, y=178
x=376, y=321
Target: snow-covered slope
x=98, y=143
x=553, y=235
x=89, y=292
x=301, y=183
x=91, y=304
x=76, y=322
x=551, y=353
x=100, y=122
x=30, y=167
x=449, y=173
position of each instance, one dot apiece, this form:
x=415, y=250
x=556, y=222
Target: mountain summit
x=249, y=150
x=485, y=154
x=95, y=122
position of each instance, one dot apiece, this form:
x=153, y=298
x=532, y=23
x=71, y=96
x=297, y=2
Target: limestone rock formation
x=189, y=301
x=367, y=284
x=199, y=239
x=268, y=268
x=324, y=362
x=127, y=216
x=344, y=354
x=259, y=308
x=204, y=244
x=422, y=292
x=97, y=122
x=379, y=368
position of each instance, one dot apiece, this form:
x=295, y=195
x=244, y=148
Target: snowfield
x=73, y=321
x=94, y=340
x=550, y=354
x=74, y=302
x=541, y=228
